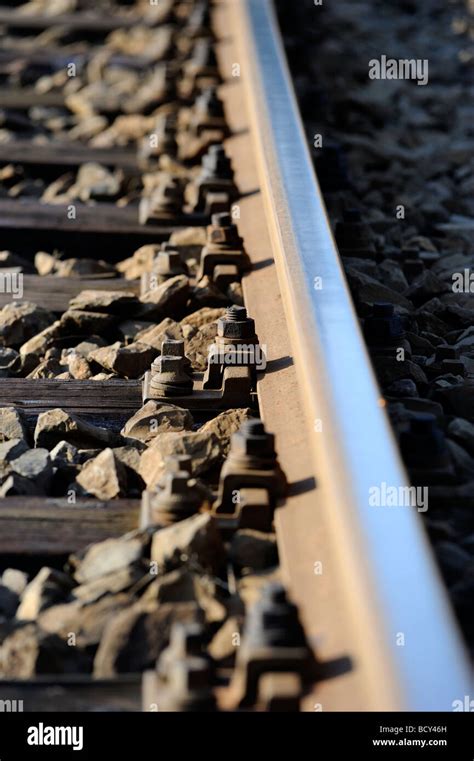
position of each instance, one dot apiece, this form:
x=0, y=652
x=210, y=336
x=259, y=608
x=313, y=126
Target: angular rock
x=462, y=431
x=156, y=334
x=86, y=621
x=35, y=465
x=84, y=348
x=389, y=369
x=103, y=477
x=196, y=539
x=225, y=425
x=50, y=368
x=463, y=462
x=29, y=652
x=203, y=316
x=10, y=450
x=78, y=322
x=16, y=485
x=47, y=588
x=80, y=267
x=133, y=640
x=176, y=586
x=21, y=320
x=391, y=274
x=130, y=361
x=129, y=456
x=168, y=298
x=109, y=557
x=206, y=294
x=45, y=263
x=157, y=417
x=57, y=425
x=28, y=362
x=95, y=181
x=15, y=580
x=204, y=448
x=11, y=424
x=110, y=302
x=79, y=367
x=367, y=291
x=64, y=454
x=130, y=329
x=110, y=584
x=142, y=261
x=197, y=345
x=40, y=343
x=10, y=362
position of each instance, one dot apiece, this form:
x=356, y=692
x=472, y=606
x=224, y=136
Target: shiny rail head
x=394, y=583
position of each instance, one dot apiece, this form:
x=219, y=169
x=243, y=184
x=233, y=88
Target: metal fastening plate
x=236, y=391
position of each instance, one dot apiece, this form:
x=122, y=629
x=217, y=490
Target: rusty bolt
x=172, y=347
x=223, y=232
x=176, y=500
x=216, y=165
x=274, y=620
x=253, y=440
x=236, y=324
x=169, y=377
x=168, y=263
x=168, y=197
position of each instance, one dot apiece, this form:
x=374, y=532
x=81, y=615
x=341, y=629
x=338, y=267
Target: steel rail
x=404, y=632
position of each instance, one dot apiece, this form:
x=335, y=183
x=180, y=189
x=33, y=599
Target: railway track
x=184, y=521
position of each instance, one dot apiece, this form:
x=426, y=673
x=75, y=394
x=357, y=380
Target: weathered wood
x=59, y=694
x=54, y=293
x=103, y=218
x=77, y=21
x=66, y=155
x=27, y=97
x=57, y=58
x=74, y=395
x=38, y=526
